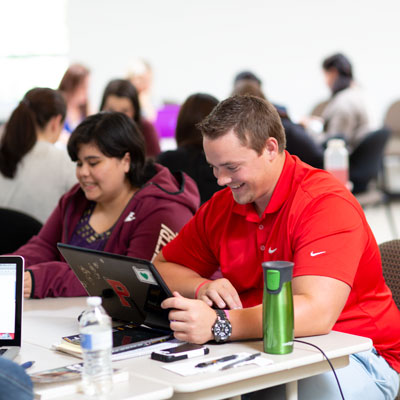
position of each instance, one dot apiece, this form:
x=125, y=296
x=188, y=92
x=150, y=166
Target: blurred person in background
x=121, y=96
x=345, y=115
x=15, y=383
x=75, y=86
x=33, y=172
x=298, y=142
x=189, y=157
x=140, y=74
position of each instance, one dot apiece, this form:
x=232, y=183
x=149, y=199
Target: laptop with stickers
x=131, y=289
x=11, y=298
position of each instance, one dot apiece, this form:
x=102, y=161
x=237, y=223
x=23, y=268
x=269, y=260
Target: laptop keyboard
x=2, y=351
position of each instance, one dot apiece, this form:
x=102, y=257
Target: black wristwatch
x=222, y=328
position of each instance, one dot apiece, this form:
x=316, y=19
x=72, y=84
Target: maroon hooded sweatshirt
x=152, y=218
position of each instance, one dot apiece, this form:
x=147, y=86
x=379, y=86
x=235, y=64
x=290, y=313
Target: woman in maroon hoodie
x=122, y=205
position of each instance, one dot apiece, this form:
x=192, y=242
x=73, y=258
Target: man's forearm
x=246, y=323
x=177, y=277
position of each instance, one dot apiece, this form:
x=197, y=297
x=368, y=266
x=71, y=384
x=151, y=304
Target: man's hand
x=27, y=284
x=191, y=320
x=221, y=293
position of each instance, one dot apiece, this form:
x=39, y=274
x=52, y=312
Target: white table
x=46, y=321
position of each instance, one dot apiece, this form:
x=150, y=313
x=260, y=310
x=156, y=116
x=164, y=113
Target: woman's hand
x=27, y=284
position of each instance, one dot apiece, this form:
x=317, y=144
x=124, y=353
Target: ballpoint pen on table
x=218, y=360
x=249, y=358
x=27, y=364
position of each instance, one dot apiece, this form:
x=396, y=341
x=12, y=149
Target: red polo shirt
x=312, y=220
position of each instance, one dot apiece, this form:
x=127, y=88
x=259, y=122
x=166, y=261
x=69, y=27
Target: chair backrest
x=390, y=254
x=366, y=159
x=16, y=229
x=392, y=118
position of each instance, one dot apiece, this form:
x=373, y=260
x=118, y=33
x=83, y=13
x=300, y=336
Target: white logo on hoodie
x=130, y=217
x=165, y=236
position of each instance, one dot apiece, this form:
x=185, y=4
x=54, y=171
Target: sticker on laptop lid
x=144, y=275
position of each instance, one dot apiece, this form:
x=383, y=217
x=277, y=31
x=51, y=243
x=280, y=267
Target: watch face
x=222, y=330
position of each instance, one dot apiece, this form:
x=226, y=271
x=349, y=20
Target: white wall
x=200, y=45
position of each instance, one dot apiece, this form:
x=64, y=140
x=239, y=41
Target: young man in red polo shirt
x=278, y=208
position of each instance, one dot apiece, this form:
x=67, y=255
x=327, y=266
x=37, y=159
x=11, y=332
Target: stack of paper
x=64, y=381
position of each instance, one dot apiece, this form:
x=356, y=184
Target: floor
x=384, y=222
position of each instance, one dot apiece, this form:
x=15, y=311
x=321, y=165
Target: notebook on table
x=11, y=298
x=131, y=289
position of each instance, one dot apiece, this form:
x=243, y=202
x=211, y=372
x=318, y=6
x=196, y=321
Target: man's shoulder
x=313, y=182
x=318, y=185
x=219, y=205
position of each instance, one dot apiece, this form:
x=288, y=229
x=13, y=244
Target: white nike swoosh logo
x=312, y=254
x=271, y=251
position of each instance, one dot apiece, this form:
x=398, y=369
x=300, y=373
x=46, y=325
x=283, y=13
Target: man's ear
x=271, y=148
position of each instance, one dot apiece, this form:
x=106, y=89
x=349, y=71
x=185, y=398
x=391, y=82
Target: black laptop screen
x=131, y=289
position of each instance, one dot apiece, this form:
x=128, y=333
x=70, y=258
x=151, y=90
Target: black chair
x=390, y=255
x=16, y=229
x=366, y=166
x=367, y=159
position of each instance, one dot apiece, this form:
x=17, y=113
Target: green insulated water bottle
x=278, y=318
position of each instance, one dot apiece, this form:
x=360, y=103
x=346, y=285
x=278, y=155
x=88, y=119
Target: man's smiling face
x=249, y=175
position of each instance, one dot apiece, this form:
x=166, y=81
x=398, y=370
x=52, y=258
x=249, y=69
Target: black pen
x=218, y=360
x=231, y=365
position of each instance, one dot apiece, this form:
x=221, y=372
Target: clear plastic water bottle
x=96, y=342
x=336, y=160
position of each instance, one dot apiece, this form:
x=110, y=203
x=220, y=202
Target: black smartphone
x=185, y=350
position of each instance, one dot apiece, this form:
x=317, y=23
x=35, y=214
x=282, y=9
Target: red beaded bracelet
x=198, y=288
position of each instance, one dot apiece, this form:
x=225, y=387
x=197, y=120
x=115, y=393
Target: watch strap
x=220, y=314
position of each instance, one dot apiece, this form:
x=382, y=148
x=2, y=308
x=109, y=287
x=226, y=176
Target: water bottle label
x=96, y=341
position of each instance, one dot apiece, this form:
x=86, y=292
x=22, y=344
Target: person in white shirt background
x=33, y=172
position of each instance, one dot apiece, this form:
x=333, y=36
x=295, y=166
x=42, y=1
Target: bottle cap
x=336, y=143
x=276, y=273
x=93, y=301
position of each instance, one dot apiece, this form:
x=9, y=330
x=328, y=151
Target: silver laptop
x=11, y=298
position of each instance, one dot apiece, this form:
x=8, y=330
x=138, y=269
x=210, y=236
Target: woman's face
x=80, y=95
x=101, y=178
x=330, y=76
x=119, y=104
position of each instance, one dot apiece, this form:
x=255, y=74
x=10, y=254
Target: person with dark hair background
x=123, y=204
x=346, y=113
x=189, y=156
x=74, y=86
x=120, y=95
x=33, y=172
x=298, y=141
